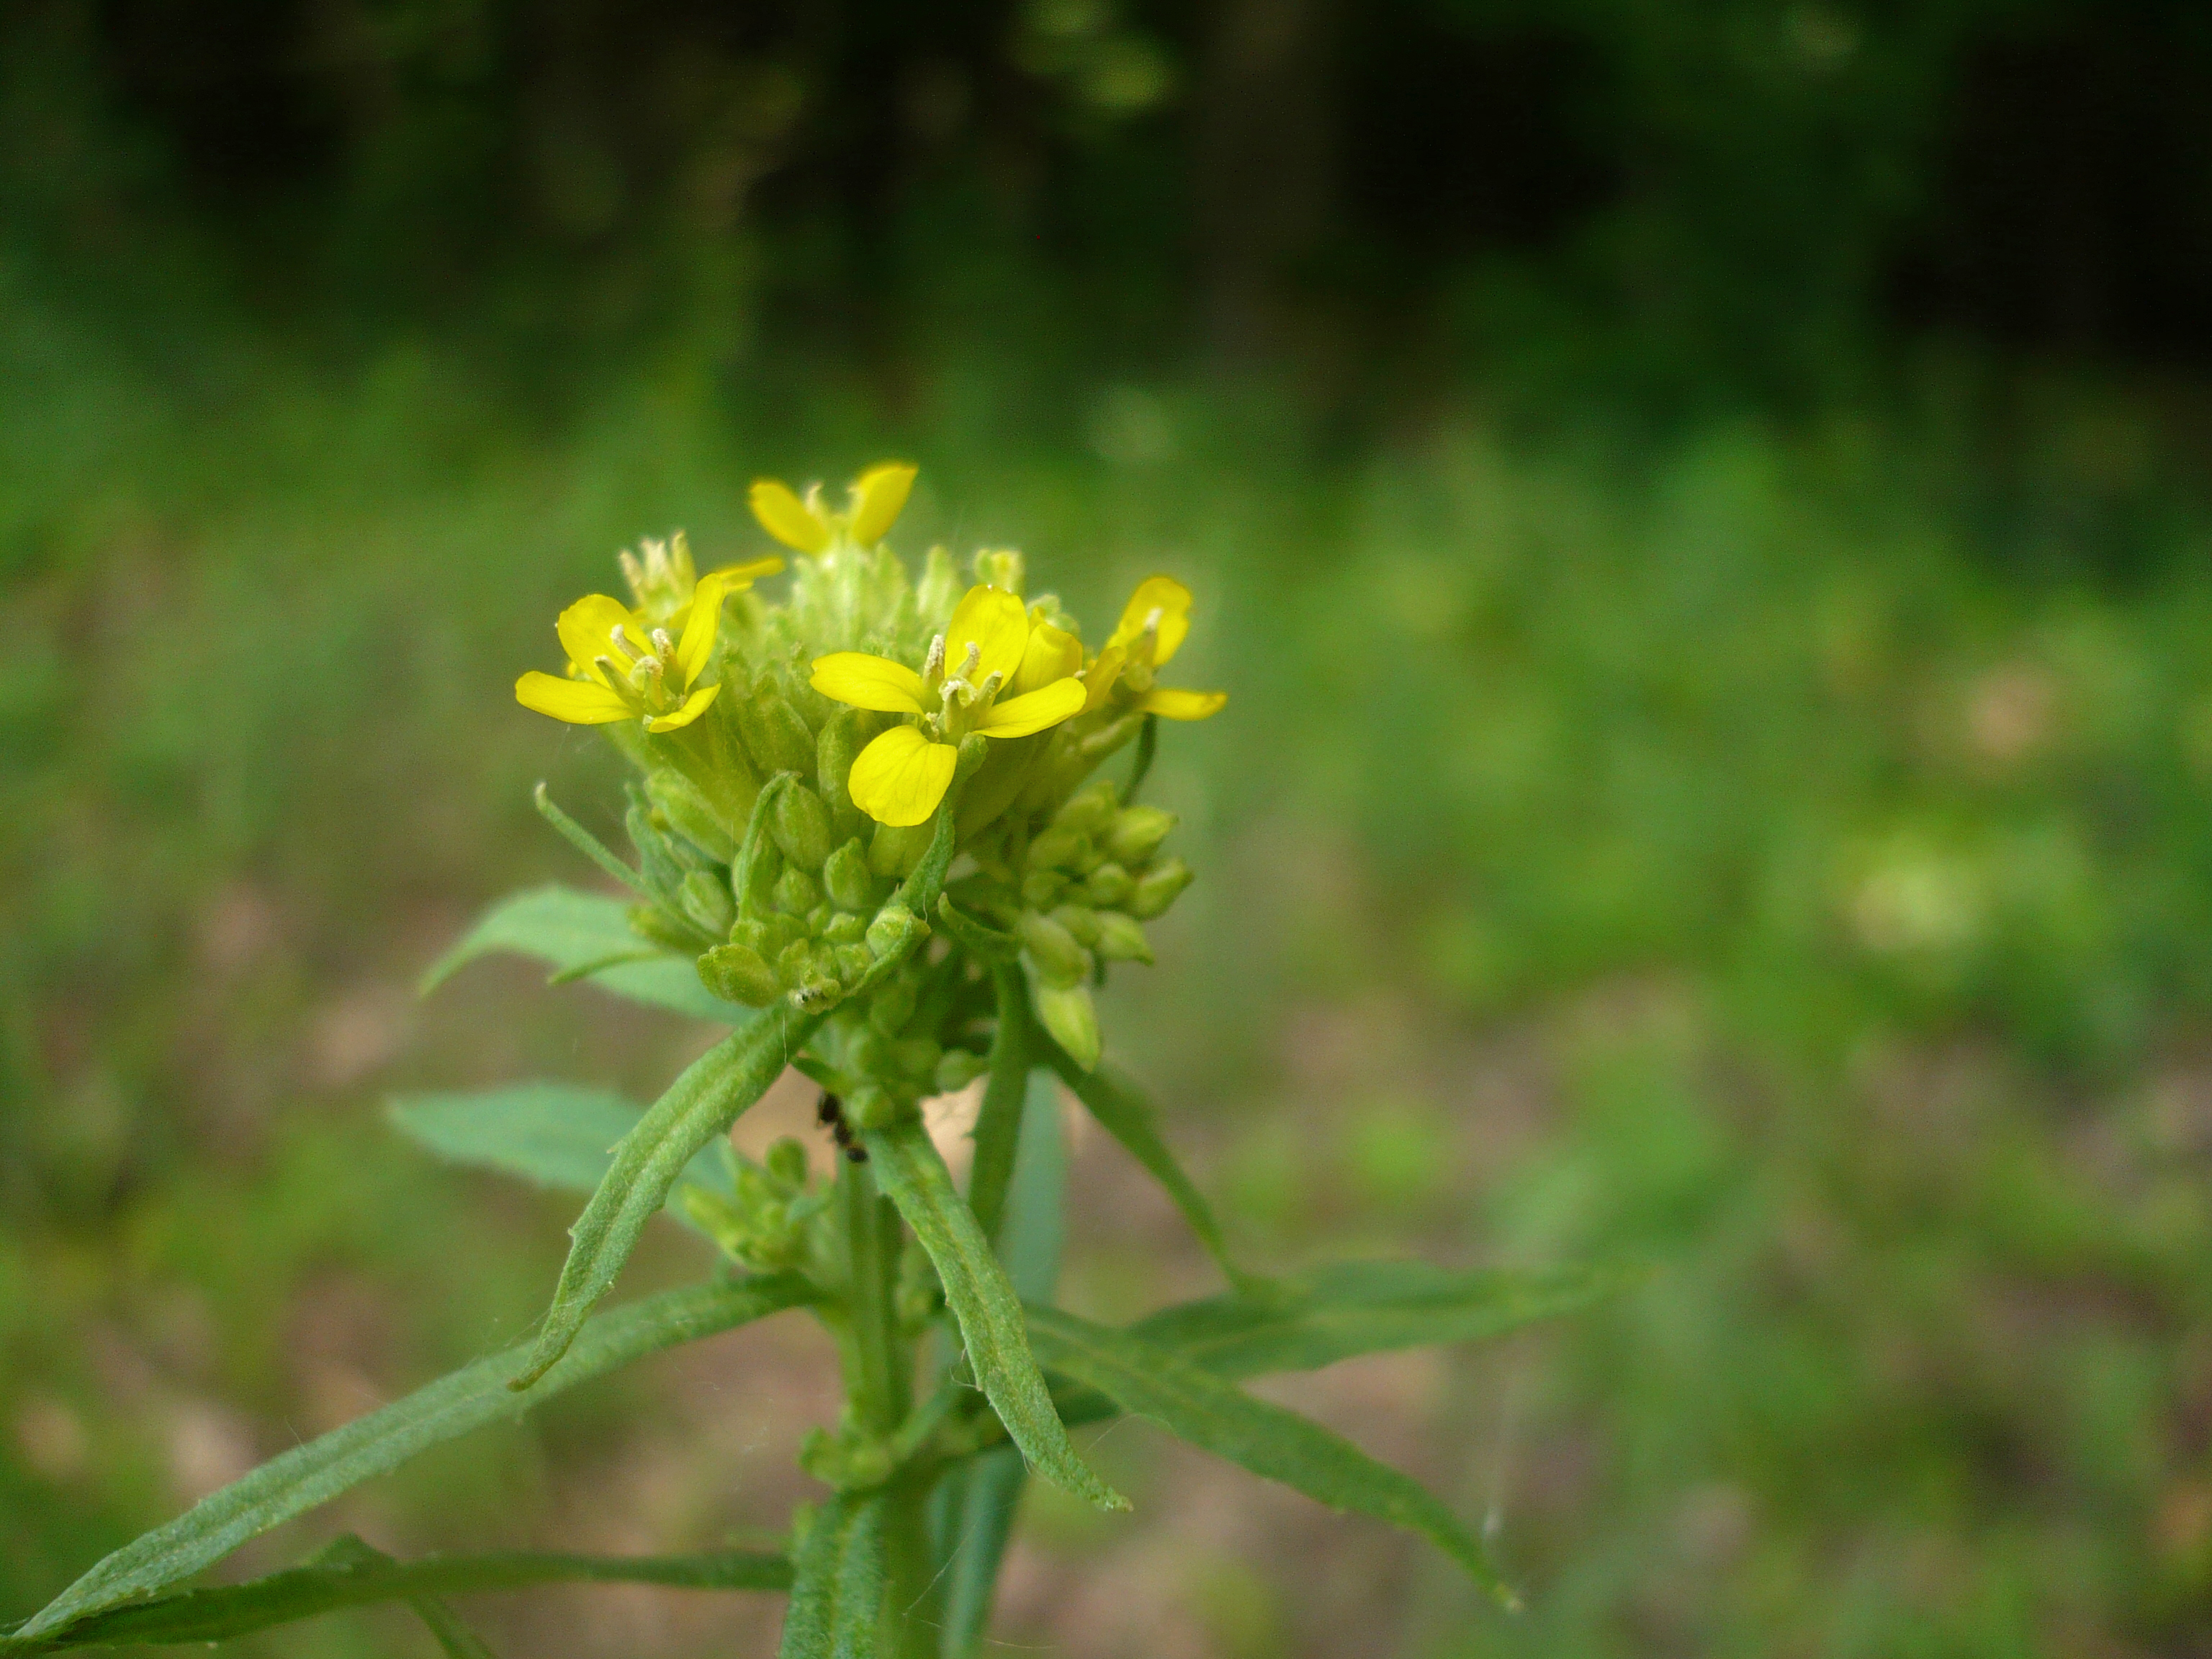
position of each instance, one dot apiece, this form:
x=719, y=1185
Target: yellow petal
x=877, y=500
x=700, y=623
x=740, y=577
x=866, y=681
x=997, y=624
x=1098, y=683
x=1173, y=705
x=579, y=702
x=694, y=706
x=785, y=517
x=899, y=777
x=1051, y=654
x=1172, y=599
x=1018, y=717
x=586, y=629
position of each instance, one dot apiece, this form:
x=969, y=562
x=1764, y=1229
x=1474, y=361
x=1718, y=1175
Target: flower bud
x=648, y=921
x=796, y=892
x=843, y=927
x=1040, y=887
x=1088, y=810
x=894, y=927
x=787, y=1164
x=1058, y=957
x=1122, y=939
x=1159, y=889
x=834, y=753
x=852, y=961
x=1109, y=884
x=706, y=899
x=773, y=734
x=758, y=878
x=892, y=852
x=1068, y=1013
x=845, y=873
x=892, y=1006
x=801, y=824
x=1061, y=848
x=678, y=800
x=869, y=1107
x=737, y=974
x=817, y=920
x=915, y=1058
x=1081, y=922
x=763, y=938
x=1001, y=567
x=794, y=964
x=815, y=994
x=1137, y=834
x=957, y=1068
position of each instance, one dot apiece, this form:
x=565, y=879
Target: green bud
x=1001, y=567
x=1122, y=939
x=758, y=891
x=1159, y=889
x=1081, y=922
x=706, y=899
x=1109, y=884
x=801, y=824
x=678, y=800
x=814, y=995
x=1088, y=810
x=867, y=1053
x=763, y=938
x=1137, y=834
x=957, y=1068
x=1068, y=1013
x=787, y=1164
x=713, y=1215
x=843, y=927
x=818, y=921
x=649, y=921
x=916, y=1058
x=892, y=1006
x=794, y=964
x=1040, y=887
x=1058, y=957
x=826, y=965
x=777, y=737
x=870, y=1108
x=846, y=874
x=736, y=974
x=1060, y=848
x=853, y=961
x=894, y=927
x=893, y=853
x=834, y=754
x=796, y=892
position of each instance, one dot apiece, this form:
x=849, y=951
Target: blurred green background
x=1700, y=508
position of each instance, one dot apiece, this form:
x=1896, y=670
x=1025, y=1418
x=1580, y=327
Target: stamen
x=1152, y=619
x=933, y=666
x=622, y=642
x=992, y=681
x=970, y=662
x=662, y=645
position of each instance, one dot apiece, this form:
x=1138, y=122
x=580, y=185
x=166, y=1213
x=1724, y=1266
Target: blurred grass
x=1780, y=855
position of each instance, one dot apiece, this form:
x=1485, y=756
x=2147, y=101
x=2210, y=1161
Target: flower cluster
x=797, y=756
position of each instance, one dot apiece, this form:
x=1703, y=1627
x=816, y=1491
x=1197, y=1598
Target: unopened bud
x=843, y=927
x=892, y=1006
x=852, y=961
x=1061, y=848
x=845, y=873
x=787, y=1164
x=1122, y=939
x=794, y=964
x=834, y=753
x=706, y=899
x=801, y=824
x=1159, y=888
x=815, y=995
x=1081, y=922
x=797, y=892
x=1088, y=810
x=650, y=922
x=1137, y=833
x=893, y=929
x=1001, y=567
x=915, y=1058
x=1060, y=960
x=893, y=852
x=871, y=1107
x=773, y=734
x=756, y=882
x=1109, y=884
x=1040, y=887
x=763, y=938
x=1069, y=1014
x=679, y=801
x=957, y=1068
x=736, y=974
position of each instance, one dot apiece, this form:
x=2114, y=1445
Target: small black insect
x=830, y=1112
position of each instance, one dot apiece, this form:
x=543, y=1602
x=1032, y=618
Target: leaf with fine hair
x=1194, y=1405
x=699, y=1105
x=983, y=1303
x=561, y=1135
x=296, y=1481
x=839, y=1582
x=337, y=1579
x=587, y=935
x=1122, y=1111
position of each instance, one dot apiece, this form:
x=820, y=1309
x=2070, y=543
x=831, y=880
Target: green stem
x=998, y=1123
x=881, y=1382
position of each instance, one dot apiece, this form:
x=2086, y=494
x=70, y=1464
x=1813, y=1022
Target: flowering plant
x=872, y=838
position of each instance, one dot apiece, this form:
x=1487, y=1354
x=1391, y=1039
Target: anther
x=933, y=666
x=662, y=644
x=992, y=681
x=973, y=660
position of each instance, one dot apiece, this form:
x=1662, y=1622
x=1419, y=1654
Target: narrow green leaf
x=983, y=1303
x=586, y=933
x=561, y=1135
x=1194, y=1405
x=338, y=1578
x=699, y=1105
x=477, y=1395
x=978, y=1502
x=1124, y=1113
x=1035, y=1225
x=455, y=1640
x=839, y=1582
x=998, y=1120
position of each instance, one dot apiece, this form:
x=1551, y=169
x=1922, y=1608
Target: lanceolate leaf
x=838, y=1590
x=338, y=1579
x=1123, y=1112
x=561, y=1135
x=983, y=1302
x=477, y=1395
x=975, y=1519
x=587, y=934
x=699, y=1105
x=1196, y=1406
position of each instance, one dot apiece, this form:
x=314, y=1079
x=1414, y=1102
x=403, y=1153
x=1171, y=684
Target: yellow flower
x=991, y=645
x=876, y=499
x=622, y=667
x=1152, y=628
